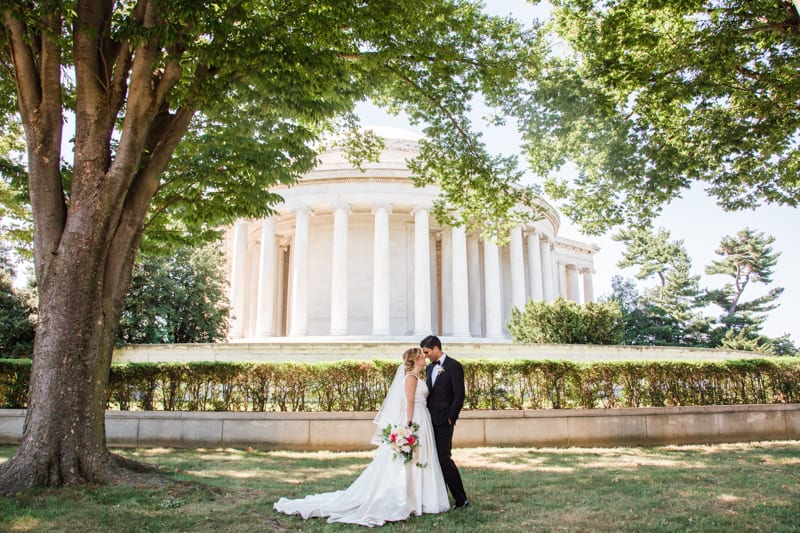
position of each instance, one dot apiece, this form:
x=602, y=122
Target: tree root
x=18, y=474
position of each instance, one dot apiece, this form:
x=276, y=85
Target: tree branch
x=38, y=80
x=464, y=135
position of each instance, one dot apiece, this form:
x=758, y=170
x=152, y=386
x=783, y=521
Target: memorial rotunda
x=352, y=254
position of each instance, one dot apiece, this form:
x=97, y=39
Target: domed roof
x=393, y=161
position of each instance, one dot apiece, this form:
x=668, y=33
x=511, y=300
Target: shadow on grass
x=733, y=487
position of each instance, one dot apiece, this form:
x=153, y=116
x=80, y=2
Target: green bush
x=361, y=385
x=566, y=322
x=14, y=379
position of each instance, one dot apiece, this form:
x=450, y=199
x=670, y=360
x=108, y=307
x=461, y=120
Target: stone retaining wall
x=536, y=428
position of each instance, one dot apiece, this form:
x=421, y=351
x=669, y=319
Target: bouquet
x=403, y=440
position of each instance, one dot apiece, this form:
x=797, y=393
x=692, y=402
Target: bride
x=390, y=488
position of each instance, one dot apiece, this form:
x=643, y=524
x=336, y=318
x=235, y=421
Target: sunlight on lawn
x=224, y=473
x=722, y=447
x=24, y=524
x=506, y=459
x=319, y=455
x=725, y=499
x=633, y=461
x=306, y=475
x=513, y=459
x=209, y=454
x=783, y=461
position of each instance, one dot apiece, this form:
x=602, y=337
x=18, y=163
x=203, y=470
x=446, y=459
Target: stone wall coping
x=476, y=414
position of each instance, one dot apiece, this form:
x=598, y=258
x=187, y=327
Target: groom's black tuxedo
x=445, y=399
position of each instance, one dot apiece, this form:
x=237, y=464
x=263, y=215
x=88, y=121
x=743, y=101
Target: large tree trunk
x=64, y=435
x=84, y=248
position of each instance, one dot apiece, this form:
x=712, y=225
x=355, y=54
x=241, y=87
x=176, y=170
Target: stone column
x=574, y=288
x=460, y=283
x=535, y=266
x=298, y=326
x=265, y=316
x=561, y=270
x=493, y=288
x=381, y=317
x=422, y=273
x=588, y=285
x=548, y=274
x=339, y=270
x=517, y=265
x=475, y=287
x=238, y=279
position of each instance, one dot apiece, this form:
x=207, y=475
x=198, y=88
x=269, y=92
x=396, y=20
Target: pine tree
x=668, y=313
x=746, y=259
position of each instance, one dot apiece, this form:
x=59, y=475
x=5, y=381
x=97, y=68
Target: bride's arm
x=411, y=388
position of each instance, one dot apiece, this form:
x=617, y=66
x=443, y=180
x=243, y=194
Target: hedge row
x=360, y=386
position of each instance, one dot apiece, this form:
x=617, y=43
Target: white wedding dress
x=388, y=489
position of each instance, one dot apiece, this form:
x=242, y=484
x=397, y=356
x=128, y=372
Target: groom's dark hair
x=431, y=341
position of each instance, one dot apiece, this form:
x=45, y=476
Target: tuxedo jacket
x=446, y=396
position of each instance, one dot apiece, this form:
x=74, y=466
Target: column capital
x=418, y=208
x=339, y=204
x=302, y=208
x=385, y=206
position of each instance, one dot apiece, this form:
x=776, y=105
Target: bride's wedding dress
x=388, y=489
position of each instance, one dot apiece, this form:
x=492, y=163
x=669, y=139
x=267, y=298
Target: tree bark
x=63, y=440
x=85, y=248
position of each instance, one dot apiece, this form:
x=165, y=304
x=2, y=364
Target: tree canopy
x=252, y=87
x=646, y=97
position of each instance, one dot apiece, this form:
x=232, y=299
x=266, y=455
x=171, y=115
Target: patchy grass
x=727, y=487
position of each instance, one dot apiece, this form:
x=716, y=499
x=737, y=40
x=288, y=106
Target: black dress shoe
x=463, y=505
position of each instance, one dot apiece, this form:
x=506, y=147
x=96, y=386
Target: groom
x=445, y=379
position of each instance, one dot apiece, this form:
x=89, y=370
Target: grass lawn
x=728, y=487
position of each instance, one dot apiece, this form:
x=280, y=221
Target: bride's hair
x=409, y=358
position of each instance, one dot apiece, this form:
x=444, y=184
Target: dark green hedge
x=360, y=386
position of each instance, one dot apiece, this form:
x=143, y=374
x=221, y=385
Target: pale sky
x=695, y=219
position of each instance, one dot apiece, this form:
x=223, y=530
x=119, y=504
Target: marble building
x=352, y=254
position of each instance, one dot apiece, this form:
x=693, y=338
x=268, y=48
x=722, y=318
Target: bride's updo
x=410, y=356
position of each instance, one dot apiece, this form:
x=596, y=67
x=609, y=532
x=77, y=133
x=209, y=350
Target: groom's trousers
x=452, y=478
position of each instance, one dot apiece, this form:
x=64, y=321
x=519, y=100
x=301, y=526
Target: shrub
x=566, y=322
x=361, y=385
